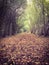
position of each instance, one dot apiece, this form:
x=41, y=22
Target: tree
x=9, y=15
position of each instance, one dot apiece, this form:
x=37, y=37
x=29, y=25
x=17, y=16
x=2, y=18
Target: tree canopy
x=25, y=16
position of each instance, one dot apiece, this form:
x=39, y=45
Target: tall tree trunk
x=8, y=17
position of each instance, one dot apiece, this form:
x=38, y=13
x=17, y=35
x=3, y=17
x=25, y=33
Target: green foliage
x=33, y=14
x=29, y=17
x=46, y=4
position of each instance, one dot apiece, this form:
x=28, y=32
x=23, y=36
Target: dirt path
x=24, y=49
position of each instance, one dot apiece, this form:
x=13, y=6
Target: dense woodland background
x=17, y=16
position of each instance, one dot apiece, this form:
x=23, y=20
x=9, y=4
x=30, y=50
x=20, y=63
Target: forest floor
x=24, y=49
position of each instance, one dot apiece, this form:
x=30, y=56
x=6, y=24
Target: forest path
x=24, y=49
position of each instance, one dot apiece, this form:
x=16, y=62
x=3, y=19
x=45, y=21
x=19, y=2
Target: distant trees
x=35, y=17
x=9, y=13
x=24, y=15
x=41, y=26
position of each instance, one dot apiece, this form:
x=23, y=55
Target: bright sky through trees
x=29, y=2
x=47, y=0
